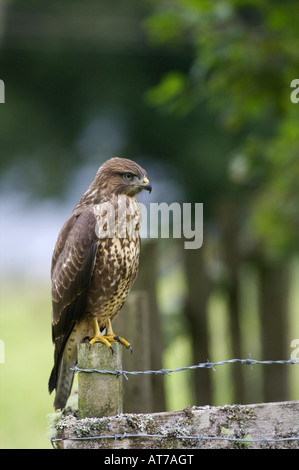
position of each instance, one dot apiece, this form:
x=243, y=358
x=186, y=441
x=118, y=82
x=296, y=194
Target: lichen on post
x=99, y=394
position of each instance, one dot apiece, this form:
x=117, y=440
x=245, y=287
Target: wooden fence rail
x=101, y=424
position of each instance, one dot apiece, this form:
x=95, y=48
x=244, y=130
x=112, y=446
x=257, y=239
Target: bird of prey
x=94, y=264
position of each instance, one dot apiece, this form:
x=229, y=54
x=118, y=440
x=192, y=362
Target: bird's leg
x=113, y=338
x=98, y=336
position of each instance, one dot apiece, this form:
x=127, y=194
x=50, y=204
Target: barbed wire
x=115, y=437
x=202, y=365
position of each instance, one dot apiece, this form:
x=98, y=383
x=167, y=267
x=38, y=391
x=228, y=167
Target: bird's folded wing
x=72, y=265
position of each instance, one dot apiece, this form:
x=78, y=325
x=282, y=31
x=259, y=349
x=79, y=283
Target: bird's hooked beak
x=146, y=185
x=140, y=184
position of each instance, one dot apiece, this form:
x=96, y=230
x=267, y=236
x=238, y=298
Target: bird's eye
x=128, y=176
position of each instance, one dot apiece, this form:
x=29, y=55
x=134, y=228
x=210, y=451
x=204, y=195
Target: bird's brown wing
x=72, y=265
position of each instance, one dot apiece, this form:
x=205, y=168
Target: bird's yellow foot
x=99, y=338
x=112, y=338
x=108, y=338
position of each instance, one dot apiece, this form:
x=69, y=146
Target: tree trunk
x=273, y=289
x=229, y=235
x=196, y=315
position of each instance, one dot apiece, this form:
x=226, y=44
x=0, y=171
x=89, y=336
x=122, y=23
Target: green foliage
x=276, y=204
x=169, y=94
x=245, y=56
x=219, y=72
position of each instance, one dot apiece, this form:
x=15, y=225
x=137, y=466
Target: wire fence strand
x=199, y=439
x=202, y=365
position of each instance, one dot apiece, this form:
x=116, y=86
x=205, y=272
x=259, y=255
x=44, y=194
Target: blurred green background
x=199, y=93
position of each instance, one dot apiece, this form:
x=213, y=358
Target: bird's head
x=123, y=176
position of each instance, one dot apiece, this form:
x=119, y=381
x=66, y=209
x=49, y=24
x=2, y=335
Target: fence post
x=99, y=394
x=147, y=281
x=133, y=323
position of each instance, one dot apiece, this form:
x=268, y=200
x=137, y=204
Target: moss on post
x=99, y=394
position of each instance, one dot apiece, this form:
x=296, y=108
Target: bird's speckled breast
x=115, y=269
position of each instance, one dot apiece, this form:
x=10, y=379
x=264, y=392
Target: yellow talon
x=118, y=339
x=99, y=339
x=108, y=338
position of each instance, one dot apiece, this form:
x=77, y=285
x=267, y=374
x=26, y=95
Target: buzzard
x=94, y=264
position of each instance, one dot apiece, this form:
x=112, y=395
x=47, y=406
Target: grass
x=25, y=317
x=178, y=391
x=24, y=401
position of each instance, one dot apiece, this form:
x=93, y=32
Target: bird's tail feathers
x=52, y=380
x=63, y=384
